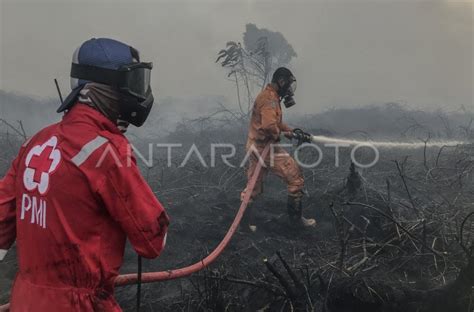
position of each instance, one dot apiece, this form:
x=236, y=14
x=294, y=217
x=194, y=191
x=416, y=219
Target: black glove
x=301, y=136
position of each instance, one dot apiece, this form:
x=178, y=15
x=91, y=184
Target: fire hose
x=151, y=277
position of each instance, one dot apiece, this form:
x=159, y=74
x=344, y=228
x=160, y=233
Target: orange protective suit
x=265, y=128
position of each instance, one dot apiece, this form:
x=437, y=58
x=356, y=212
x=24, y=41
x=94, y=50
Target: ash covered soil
x=356, y=259
x=386, y=240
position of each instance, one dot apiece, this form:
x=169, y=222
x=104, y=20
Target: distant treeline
x=171, y=115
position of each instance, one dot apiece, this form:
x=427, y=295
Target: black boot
x=249, y=220
x=295, y=211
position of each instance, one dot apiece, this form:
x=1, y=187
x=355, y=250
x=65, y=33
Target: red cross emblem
x=41, y=162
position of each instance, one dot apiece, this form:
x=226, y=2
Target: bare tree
x=251, y=65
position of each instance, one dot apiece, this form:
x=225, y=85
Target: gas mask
x=287, y=93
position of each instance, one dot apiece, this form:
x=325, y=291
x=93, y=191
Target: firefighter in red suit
x=74, y=193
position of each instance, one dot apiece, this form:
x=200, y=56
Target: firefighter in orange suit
x=265, y=127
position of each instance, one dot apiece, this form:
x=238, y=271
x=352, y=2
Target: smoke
x=350, y=53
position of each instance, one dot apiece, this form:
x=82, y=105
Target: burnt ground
x=389, y=240
x=356, y=259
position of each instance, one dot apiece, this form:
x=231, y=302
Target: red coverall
x=71, y=198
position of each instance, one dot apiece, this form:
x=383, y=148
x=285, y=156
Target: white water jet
x=386, y=144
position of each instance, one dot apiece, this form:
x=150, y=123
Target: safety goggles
x=133, y=79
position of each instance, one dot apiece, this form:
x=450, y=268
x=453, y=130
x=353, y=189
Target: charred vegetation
x=393, y=237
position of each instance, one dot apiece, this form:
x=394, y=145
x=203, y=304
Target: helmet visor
x=137, y=79
x=133, y=79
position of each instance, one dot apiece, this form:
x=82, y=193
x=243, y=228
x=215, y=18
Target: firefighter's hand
x=301, y=137
x=288, y=134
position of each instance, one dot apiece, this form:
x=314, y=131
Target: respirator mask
x=288, y=92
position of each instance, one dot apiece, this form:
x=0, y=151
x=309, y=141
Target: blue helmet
x=116, y=64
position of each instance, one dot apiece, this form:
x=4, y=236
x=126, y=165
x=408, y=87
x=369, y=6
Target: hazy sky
x=349, y=52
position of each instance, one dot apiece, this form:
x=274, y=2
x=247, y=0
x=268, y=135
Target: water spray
x=386, y=144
